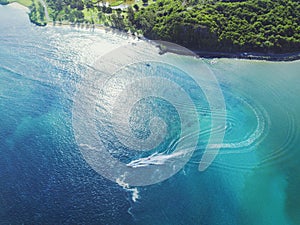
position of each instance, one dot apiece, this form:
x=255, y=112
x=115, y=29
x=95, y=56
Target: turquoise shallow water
x=46, y=180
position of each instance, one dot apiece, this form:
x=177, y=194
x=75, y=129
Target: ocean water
x=54, y=115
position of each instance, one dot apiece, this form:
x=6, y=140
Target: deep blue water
x=45, y=179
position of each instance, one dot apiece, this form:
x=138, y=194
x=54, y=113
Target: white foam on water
x=135, y=193
x=155, y=159
x=88, y=146
x=256, y=137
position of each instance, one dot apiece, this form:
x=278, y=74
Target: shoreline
x=93, y=28
x=285, y=57
x=171, y=48
x=166, y=47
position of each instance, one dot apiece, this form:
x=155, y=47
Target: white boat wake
x=155, y=159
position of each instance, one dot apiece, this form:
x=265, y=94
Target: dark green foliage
x=72, y=10
x=136, y=7
x=89, y=4
x=117, y=21
x=227, y=25
x=130, y=14
x=108, y=10
x=37, y=14
x=267, y=26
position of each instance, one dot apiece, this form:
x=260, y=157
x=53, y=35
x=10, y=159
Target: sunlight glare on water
x=45, y=178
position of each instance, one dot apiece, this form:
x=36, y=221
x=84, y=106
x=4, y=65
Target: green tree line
x=267, y=26
x=271, y=26
x=37, y=14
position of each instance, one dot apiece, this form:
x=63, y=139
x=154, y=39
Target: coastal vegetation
x=271, y=26
x=37, y=13
x=266, y=26
x=263, y=26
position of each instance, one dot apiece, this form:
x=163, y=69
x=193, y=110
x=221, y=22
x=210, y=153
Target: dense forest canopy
x=268, y=26
x=265, y=26
x=248, y=25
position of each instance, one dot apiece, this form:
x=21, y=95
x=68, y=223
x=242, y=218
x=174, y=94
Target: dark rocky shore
x=251, y=55
x=165, y=47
